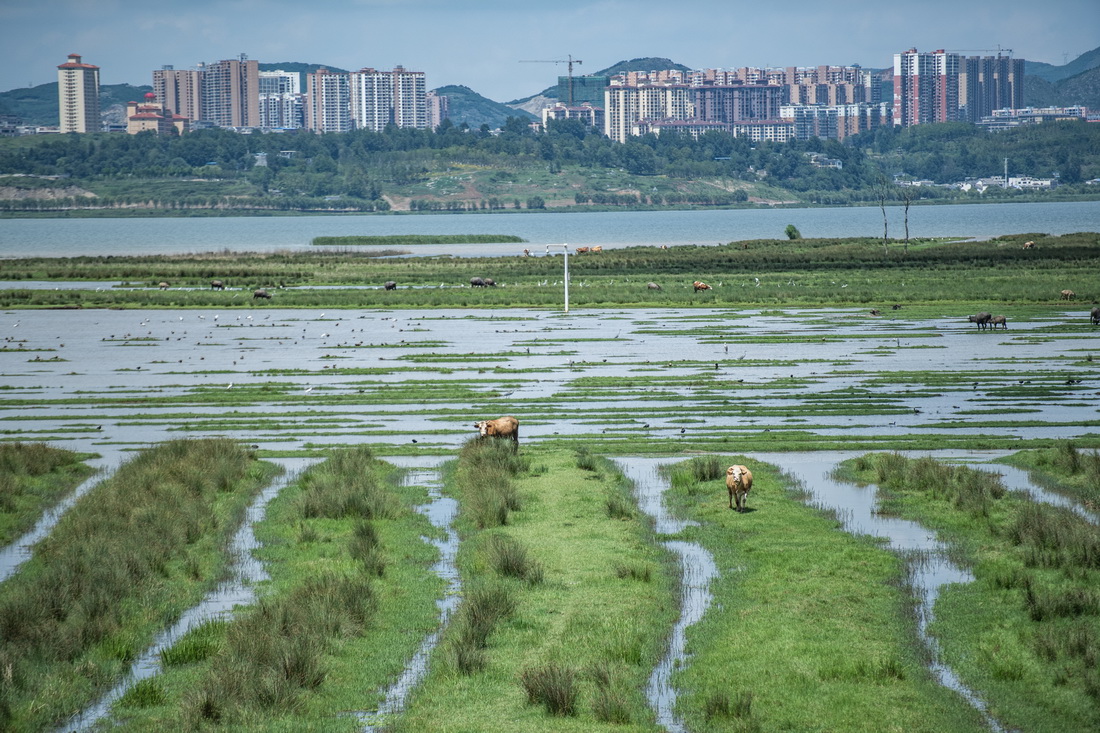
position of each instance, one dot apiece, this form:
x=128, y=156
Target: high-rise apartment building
x=988, y=83
x=78, y=96
x=231, y=93
x=328, y=101
x=926, y=87
x=379, y=98
x=179, y=91
x=439, y=108
x=282, y=105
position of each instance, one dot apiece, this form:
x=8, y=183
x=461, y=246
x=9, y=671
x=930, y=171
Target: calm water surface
x=74, y=237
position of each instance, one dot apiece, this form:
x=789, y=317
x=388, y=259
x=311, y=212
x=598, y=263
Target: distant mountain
x=649, y=63
x=1049, y=72
x=38, y=105
x=468, y=106
x=1083, y=89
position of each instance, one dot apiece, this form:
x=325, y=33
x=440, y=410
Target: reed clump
x=485, y=606
x=484, y=478
x=347, y=485
x=553, y=686
x=33, y=476
x=967, y=489
x=510, y=558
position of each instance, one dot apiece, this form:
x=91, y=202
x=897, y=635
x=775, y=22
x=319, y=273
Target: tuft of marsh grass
x=509, y=557
x=635, y=571
x=484, y=478
x=553, y=686
x=344, y=486
x=196, y=645
x=484, y=606
x=365, y=547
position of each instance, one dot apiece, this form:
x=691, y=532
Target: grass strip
x=811, y=628
x=1026, y=633
x=133, y=553
x=33, y=478
x=1066, y=469
x=351, y=597
x=575, y=633
x=403, y=239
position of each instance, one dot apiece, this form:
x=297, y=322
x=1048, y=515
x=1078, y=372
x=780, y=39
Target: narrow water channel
x=238, y=589
x=697, y=569
x=441, y=512
x=18, y=552
x=929, y=566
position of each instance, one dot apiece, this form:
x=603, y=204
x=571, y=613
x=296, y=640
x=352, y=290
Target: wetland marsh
x=793, y=388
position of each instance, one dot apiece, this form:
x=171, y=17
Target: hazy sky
x=479, y=43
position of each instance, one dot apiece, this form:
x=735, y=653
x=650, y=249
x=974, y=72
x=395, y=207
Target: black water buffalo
x=1095, y=315
x=217, y=285
x=653, y=286
x=261, y=293
x=999, y=321
x=982, y=319
x=389, y=285
x=477, y=282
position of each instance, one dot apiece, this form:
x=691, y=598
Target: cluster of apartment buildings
x=777, y=104
x=796, y=102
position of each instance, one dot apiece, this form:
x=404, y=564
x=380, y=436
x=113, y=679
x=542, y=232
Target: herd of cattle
x=983, y=320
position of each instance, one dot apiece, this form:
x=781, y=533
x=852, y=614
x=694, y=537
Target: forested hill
x=38, y=105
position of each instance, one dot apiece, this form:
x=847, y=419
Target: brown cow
x=1029, y=245
x=738, y=482
x=163, y=286
x=1068, y=295
x=502, y=427
x=597, y=249
x=700, y=286
x=583, y=250
x=999, y=321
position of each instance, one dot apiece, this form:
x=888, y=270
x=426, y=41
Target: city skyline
x=481, y=45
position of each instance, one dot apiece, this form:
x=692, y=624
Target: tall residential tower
x=78, y=96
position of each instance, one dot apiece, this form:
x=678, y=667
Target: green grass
x=810, y=628
x=575, y=650
x=1025, y=635
x=33, y=478
x=126, y=560
x=347, y=621
x=1065, y=468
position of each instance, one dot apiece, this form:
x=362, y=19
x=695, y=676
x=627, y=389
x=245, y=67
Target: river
x=130, y=236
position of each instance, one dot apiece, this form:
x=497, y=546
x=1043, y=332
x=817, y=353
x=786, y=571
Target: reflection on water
x=245, y=572
x=441, y=512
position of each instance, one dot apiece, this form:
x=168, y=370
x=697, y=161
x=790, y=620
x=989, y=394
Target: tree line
x=360, y=166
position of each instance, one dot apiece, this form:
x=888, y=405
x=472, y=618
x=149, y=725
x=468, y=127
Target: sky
x=481, y=43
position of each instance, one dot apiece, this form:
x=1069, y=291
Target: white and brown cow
x=502, y=427
x=738, y=482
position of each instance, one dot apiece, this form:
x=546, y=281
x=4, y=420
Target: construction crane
x=999, y=50
x=569, y=61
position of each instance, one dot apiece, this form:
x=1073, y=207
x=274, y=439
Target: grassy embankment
x=403, y=239
x=1025, y=635
x=350, y=599
x=810, y=628
x=964, y=276
x=126, y=560
x=566, y=601
x=1065, y=469
x=34, y=477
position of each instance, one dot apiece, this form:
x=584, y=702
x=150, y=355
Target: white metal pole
x=565, y=251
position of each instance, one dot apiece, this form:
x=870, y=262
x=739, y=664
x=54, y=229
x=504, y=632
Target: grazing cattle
x=982, y=319
x=163, y=286
x=653, y=286
x=261, y=293
x=1068, y=295
x=596, y=250
x=738, y=483
x=896, y=307
x=582, y=250
x=490, y=282
x=217, y=285
x=477, y=282
x=389, y=285
x=874, y=311
x=526, y=253
x=1029, y=245
x=700, y=286
x=502, y=427
x=999, y=321
x=1095, y=315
